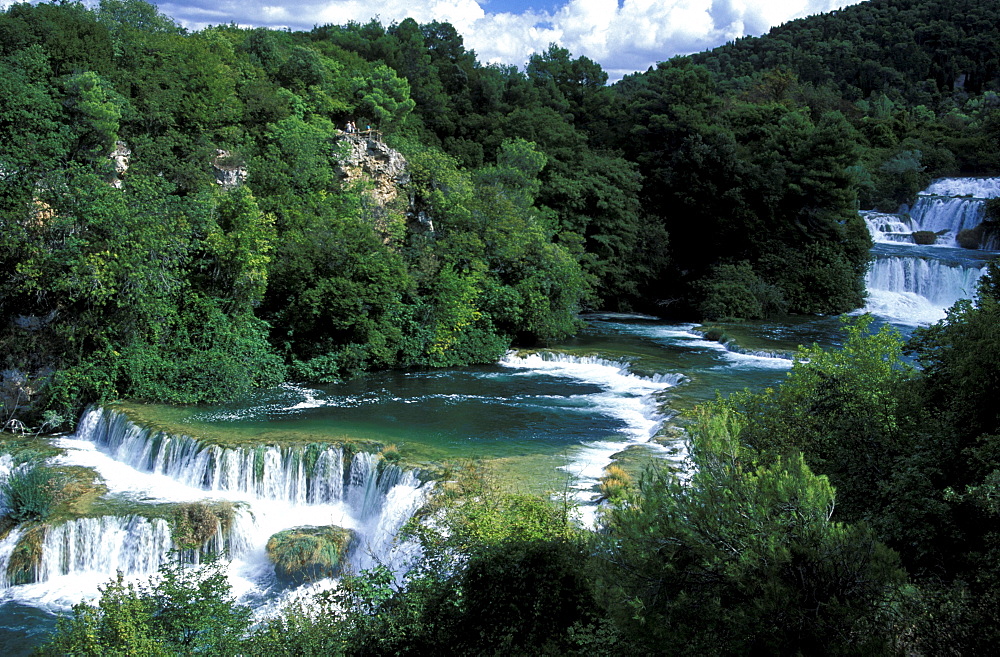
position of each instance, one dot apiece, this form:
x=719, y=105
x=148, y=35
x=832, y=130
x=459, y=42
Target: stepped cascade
x=947, y=207
x=266, y=488
x=912, y=283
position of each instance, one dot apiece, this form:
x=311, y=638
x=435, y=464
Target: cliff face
x=120, y=158
x=382, y=172
x=230, y=171
x=369, y=160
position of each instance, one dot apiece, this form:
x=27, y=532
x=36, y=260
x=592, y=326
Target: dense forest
x=852, y=510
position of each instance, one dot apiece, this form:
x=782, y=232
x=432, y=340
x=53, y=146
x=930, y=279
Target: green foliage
x=95, y=110
x=183, y=611
x=383, y=97
x=744, y=558
x=841, y=408
x=735, y=291
x=713, y=186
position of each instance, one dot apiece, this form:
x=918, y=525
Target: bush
x=735, y=291
x=925, y=237
x=187, y=611
x=615, y=483
x=716, y=334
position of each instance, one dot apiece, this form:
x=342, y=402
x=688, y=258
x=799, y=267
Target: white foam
x=630, y=398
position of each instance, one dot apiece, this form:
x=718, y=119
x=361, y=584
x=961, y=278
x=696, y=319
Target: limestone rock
x=368, y=159
x=120, y=159
x=230, y=172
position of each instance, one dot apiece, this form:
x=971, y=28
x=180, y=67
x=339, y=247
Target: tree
x=94, y=110
x=744, y=558
x=383, y=97
x=843, y=410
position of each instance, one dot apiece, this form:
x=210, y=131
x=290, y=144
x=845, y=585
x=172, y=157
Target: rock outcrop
x=120, y=159
x=383, y=171
x=230, y=171
x=371, y=161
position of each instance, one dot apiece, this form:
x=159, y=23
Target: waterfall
x=7, y=546
x=885, y=227
x=279, y=487
x=914, y=284
x=946, y=215
x=313, y=474
x=975, y=187
x=131, y=545
x=947, y=207
x=618, y=369
x=371, y=480
x=941, y=283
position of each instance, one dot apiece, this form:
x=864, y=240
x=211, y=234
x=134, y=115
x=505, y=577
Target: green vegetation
x=32, y=493
x=22, y=568
x=186, y=611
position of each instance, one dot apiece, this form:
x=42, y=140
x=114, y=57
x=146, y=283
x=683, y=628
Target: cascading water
x=947, y=207
x=131, y=545
x=264, y=489
x=310, y=475
x=915, y=284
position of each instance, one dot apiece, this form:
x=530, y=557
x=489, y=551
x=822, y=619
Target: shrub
x=615, y=483
x=925, y=237
x=391, y=453
x=735, y=291
x=716, y=334
x=194, y=525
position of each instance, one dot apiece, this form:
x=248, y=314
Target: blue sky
x=622, y=35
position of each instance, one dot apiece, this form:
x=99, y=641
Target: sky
x=623, y=36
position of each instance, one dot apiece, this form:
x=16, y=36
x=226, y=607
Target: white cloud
x=622, y=35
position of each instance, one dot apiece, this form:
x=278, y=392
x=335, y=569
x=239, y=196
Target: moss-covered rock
x=925, y=237
x=22, y=568
x=970, y=238
x=305, y=554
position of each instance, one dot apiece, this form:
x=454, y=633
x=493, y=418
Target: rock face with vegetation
x=306, y=554
x=368, y=160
